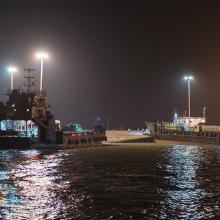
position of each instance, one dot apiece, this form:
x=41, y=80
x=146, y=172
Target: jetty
x=124, y=136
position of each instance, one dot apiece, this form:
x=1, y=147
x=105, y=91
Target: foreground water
x=117, y=182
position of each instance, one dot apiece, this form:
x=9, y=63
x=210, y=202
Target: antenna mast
x=29, y=79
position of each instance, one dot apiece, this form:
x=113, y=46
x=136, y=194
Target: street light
x=12, y=70
x=188, y=78
x=41, y=56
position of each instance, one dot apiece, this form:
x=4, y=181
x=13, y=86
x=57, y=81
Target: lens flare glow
x=188, y=77
x=42, y=55
x=12, y=69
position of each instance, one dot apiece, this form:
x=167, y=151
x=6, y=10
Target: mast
x=29, y=79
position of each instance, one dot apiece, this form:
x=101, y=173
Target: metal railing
x=25, y=91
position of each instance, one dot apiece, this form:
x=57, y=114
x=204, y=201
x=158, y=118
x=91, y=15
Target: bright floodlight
x=12, y=69
x=41, y=55
x=188, y=77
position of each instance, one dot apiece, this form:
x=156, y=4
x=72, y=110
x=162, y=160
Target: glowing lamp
x=12, y=69
x=41, y=55
x=188, y=77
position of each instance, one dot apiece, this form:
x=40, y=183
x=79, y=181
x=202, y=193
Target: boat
x=26, y=121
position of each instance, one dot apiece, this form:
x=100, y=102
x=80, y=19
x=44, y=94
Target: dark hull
x=28, y=143
x=14, y=142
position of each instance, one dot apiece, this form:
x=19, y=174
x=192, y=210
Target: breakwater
x=118, y=136
x=189, y=136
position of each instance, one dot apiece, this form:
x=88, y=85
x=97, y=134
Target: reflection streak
x=183, y=195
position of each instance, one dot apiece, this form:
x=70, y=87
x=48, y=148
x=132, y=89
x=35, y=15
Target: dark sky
x=119, y=60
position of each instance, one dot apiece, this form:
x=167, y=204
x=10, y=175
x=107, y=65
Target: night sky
x=122, y=61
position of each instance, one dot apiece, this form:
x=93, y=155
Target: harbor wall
x=206, y=138
x=209, y=134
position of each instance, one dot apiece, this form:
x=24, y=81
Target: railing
x=191, y=133
x=41, y=93
x=25, y=91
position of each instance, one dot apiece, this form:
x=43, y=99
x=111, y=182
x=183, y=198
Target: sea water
x=133, y=181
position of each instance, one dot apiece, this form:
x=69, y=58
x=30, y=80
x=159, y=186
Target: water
x=114, y=182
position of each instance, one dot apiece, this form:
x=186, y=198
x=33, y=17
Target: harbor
x=50, y=170
x=109, y=110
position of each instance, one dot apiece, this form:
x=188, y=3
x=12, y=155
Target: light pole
x=189, y=78
x=41, y=56
x=12, y=70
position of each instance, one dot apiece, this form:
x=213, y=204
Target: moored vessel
x=26, y=121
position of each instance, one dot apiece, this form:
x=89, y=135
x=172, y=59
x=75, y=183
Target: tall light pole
x=12, y=70
x=41, y=56
x=189, y=78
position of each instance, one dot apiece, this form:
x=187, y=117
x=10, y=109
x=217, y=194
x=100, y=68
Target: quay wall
x=196, y=137
x=210, y=128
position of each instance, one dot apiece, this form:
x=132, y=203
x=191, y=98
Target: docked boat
x=26, y=121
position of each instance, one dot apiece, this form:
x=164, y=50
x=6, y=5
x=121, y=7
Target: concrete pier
x=118, y=136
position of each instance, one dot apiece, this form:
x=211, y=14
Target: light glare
x=41, y=55
x=188, y=78
x=12, y=69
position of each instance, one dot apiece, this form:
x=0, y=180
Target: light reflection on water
x=120, y=182
x=31, y=186
x=184, y=192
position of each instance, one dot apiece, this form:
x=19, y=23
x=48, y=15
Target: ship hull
x=14, y=142
x=69, y=142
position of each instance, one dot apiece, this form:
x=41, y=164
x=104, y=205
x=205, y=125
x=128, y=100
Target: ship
x=26, y=121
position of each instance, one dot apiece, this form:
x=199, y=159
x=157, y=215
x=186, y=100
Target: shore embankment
x=192, y=138
x=118, y=136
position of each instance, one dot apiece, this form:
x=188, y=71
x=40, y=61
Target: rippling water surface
x=117, y=182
